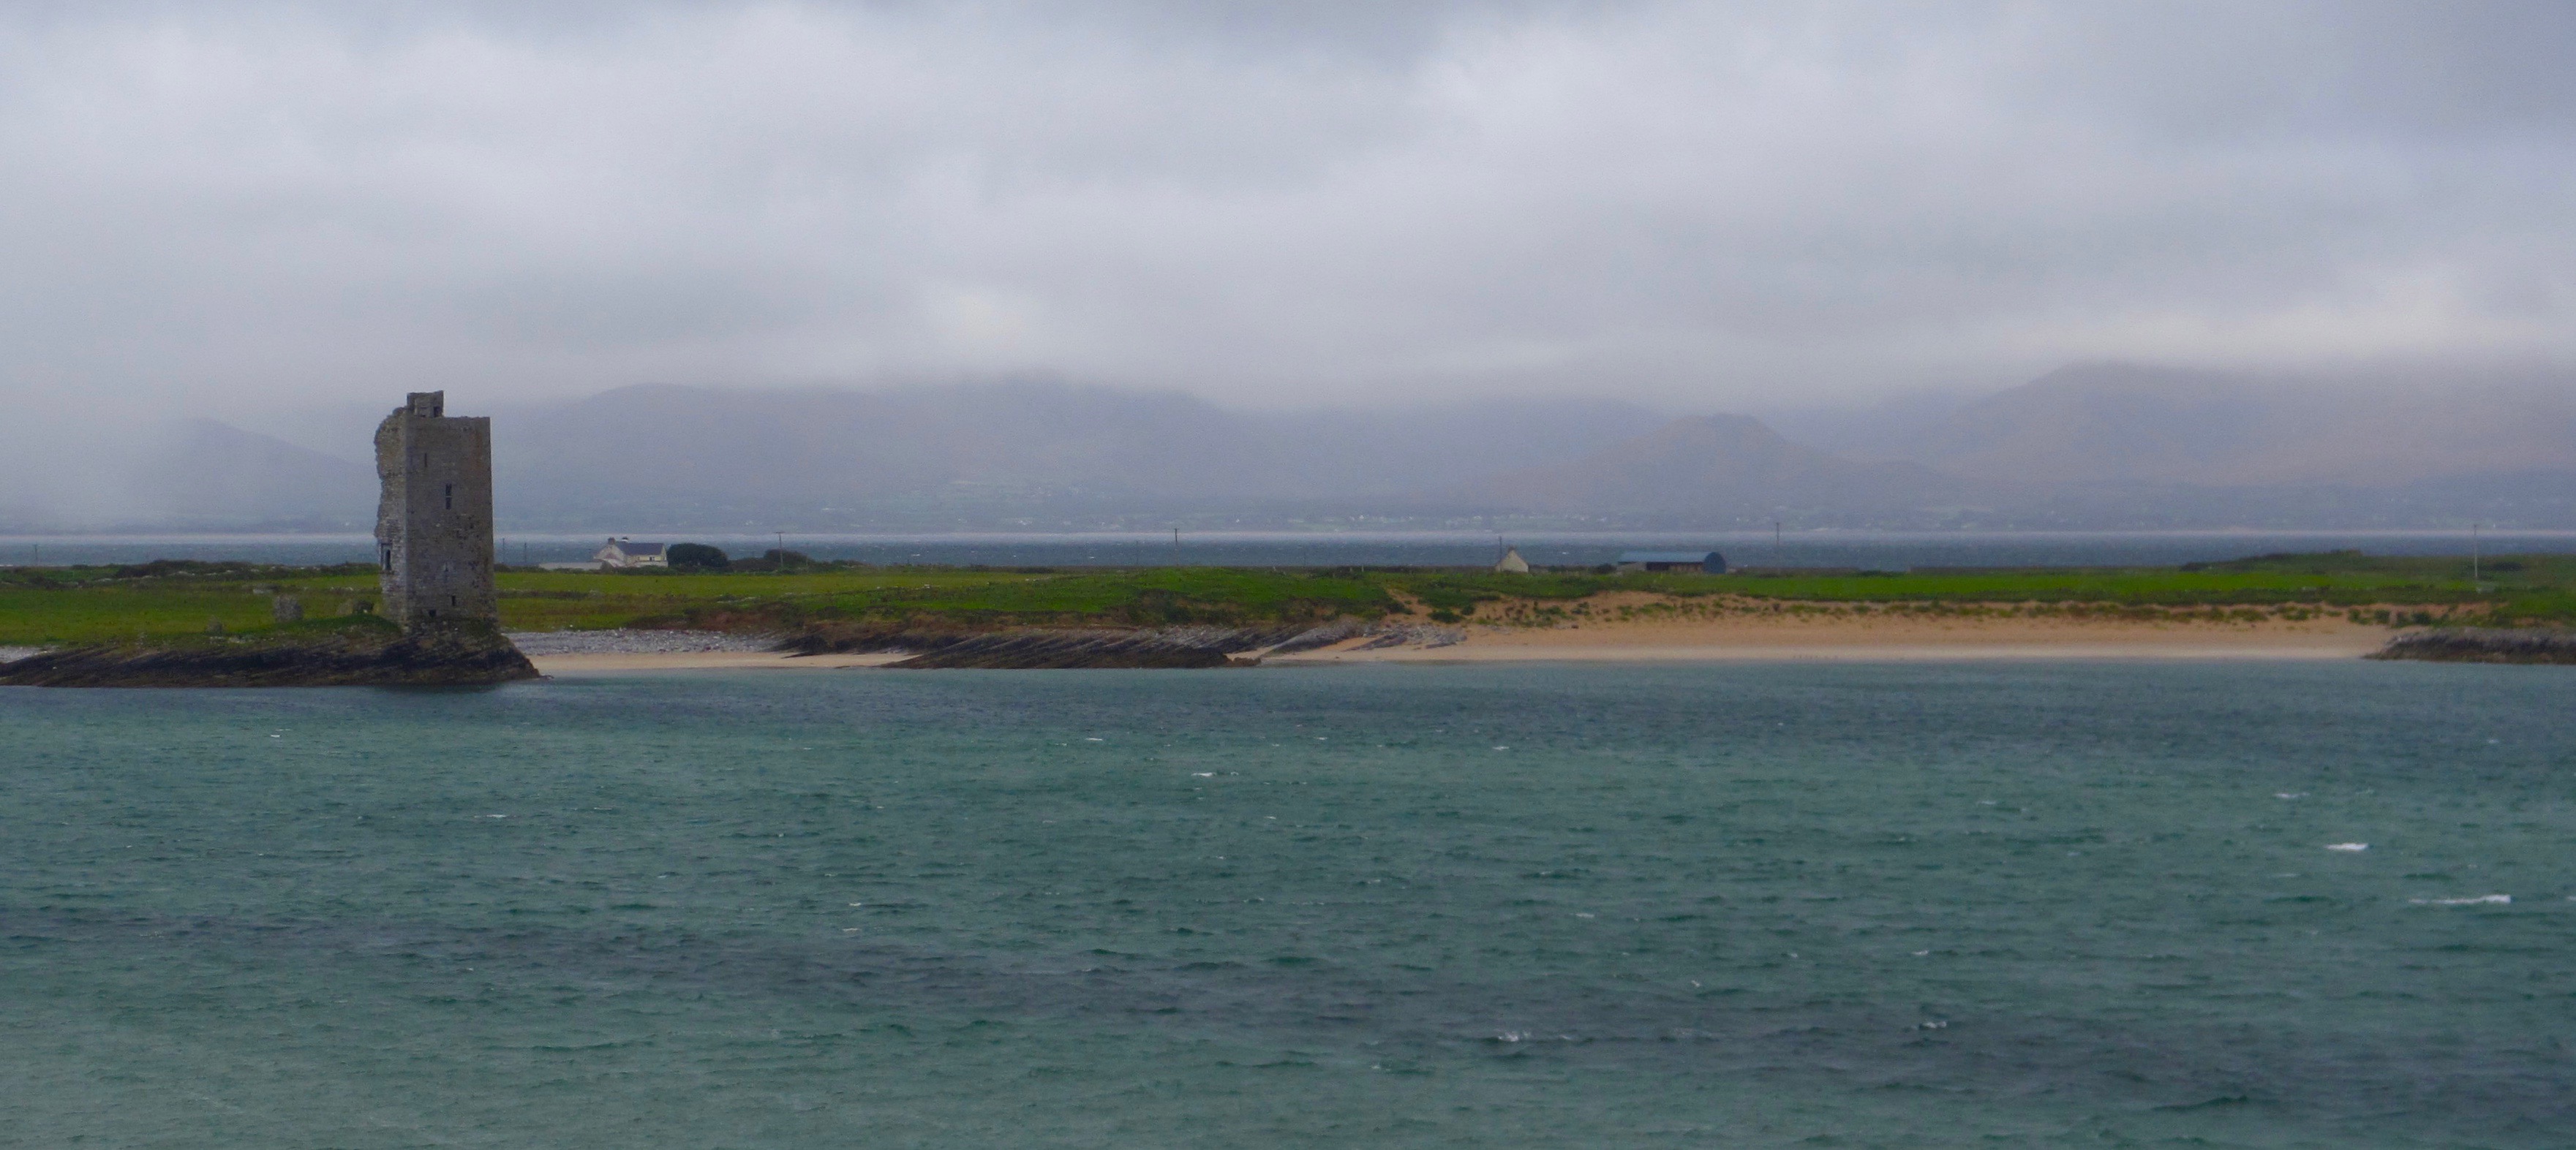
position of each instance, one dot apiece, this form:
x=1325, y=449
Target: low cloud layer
x=217, y=208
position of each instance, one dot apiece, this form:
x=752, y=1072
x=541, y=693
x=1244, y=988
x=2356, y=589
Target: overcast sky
x=213, y=207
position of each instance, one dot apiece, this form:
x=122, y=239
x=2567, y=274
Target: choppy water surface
x=1395, y=906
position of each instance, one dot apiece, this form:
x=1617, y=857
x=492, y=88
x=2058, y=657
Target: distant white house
x=1512, y=563
x=625, y=552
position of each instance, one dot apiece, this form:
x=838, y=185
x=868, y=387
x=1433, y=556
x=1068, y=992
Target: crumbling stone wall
x=434, y=521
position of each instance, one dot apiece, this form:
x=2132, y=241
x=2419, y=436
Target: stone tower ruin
x=434, y=522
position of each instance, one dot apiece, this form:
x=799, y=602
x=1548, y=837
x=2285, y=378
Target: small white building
x=625, y=552
x=1512, y=563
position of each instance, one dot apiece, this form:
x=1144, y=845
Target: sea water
x=1896, y=905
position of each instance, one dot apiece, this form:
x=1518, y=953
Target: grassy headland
x=170, y=601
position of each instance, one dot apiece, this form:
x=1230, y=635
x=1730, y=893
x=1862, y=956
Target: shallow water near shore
x=1864, y=905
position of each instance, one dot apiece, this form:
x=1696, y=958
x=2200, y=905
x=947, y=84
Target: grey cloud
x=2387, y=69
x=216, y=208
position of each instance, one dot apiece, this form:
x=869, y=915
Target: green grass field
x=167, y=600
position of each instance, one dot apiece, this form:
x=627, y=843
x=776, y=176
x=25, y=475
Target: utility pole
x=1176, y=547
x=782, y=550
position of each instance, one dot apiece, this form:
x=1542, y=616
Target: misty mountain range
x=2094, y=446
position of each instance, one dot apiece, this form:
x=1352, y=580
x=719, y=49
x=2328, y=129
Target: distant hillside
x=994, y=455
x=1714, y=470
x=2121, y=424
x=2092, y=447
x=205, y=475
x=2113, y=447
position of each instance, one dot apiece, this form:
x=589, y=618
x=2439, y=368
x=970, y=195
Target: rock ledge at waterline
x=359, y=655
x=2483, y=645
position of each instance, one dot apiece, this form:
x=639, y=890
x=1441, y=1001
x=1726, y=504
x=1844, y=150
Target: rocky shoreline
x=1040, y=648
x=2483, y=645
x=629, y=641
x=377, y=657
x=457, y=656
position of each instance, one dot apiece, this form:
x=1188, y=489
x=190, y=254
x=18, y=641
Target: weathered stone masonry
x=434, y=522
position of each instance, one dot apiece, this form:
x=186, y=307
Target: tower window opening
x=451, y=497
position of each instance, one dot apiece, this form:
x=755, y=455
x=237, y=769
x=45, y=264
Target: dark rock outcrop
x=443, y=656
x=1070, y=648
x=2483, y=645
x=1313, y=638
x=1036, y=648
x=1031, y=648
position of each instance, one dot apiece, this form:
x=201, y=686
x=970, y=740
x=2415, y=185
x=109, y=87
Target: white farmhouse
x=625, y=552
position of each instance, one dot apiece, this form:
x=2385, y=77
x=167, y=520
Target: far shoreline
x=1845, y=640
